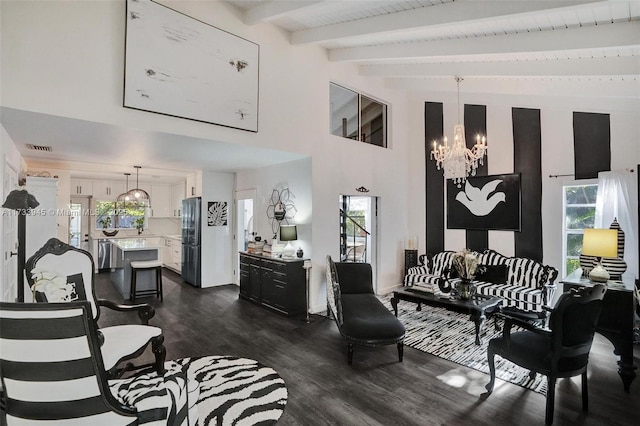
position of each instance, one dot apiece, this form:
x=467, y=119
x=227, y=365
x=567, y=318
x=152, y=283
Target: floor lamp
x=22, y=202
x=307, y=266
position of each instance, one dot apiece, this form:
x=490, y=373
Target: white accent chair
x=59, y=272
x=53, y=373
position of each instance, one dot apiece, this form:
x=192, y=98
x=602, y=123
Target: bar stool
x=146, y=265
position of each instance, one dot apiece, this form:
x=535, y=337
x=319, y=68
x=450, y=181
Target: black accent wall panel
x=475, y=122
x=433, y=124
x=527, y=152
x=591, y=144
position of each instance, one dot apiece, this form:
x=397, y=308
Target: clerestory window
x=357, y=117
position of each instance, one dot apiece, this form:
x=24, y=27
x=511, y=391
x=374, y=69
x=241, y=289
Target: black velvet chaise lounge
x=361, y=318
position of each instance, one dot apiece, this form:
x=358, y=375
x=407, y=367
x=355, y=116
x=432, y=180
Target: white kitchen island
x=132, y=249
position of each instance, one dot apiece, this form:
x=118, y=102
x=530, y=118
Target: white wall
x=81, y=45
x=217, y=241
x=556, y=116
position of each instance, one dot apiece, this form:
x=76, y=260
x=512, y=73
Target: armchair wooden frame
x=62, y=258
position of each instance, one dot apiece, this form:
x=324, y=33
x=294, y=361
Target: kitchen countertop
x=131, y=244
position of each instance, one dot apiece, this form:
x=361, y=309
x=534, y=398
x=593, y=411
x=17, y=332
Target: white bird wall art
x=478, y=201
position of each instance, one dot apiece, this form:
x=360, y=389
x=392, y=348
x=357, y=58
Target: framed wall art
x=484, y=203
x=179, y=66
x=217, y=213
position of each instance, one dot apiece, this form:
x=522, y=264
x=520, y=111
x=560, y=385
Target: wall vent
x=39, y=148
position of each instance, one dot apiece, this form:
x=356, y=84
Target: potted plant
x=139, y=224
x=105, y=221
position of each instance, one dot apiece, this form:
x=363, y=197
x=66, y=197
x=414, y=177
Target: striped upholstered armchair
x=52, y=371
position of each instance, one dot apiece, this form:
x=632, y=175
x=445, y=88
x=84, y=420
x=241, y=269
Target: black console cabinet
x=277, y=284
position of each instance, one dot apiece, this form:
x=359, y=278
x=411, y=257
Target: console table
x=276, y=284
x=616, y=320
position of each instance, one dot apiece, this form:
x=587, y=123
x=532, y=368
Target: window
x=110, y=214
x=358, y=117
x=579, y=213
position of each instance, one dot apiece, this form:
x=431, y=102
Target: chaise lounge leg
x=400, y=351
x=350, y=353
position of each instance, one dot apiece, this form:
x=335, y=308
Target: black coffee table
x=479, y=307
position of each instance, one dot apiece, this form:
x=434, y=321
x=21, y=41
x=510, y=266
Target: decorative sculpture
x=281, y=208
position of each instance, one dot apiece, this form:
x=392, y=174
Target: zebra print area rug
x=451, y=336
x=235, y=391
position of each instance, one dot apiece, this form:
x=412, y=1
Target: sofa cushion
x=496, y=274
x=524, y=272
x=418, y=270
x=440, y=261
x=527, y=299
x=366, y=318
x=492, y=257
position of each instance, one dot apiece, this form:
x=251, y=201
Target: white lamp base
x=599, y=274
x=288, y=250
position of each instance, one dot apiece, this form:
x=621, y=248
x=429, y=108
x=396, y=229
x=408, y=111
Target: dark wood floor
x=377, y=389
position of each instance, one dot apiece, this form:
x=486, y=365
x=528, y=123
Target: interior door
x=79, y=222
x=243, y=226
x=359, y=230
x=9, y=290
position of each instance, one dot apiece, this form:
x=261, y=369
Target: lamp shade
x=600, y=242
x=20, y=199
x=288, y=233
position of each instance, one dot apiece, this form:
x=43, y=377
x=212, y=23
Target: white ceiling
x=563, y=46
x=103, y=151
x=418, y=43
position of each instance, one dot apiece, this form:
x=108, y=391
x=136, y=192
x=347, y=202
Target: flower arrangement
x=466, y=264
x=54, y=286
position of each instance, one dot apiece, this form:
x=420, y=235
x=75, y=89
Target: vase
x=465, y=289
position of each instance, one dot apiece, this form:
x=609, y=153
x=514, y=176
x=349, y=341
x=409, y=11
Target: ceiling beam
x=587, y=87
x=442, y=15
x=616, y=66
x=270, y=10
x=618, y=34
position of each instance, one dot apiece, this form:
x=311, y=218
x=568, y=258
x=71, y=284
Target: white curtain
x=617, y=199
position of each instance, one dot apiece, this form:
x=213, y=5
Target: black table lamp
x=22, y=202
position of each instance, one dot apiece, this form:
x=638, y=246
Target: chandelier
x=456, y=159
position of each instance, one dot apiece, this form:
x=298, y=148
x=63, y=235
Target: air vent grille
x=39, y=148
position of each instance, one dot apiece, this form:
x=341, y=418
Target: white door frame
x=240, y=197
x=9, y=276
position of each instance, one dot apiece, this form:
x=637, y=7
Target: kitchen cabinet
x=172, y=254
x=161, y=201
x=194, y=185
x=276, y=284
x=81, y=187
x=177, y=195
x=42, y=224
x=104, y=190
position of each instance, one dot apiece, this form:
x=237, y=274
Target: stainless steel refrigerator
x=191, y=239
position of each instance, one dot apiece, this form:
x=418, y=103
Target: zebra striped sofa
x=521, y=283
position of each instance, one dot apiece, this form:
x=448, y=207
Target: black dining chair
x=558, y=350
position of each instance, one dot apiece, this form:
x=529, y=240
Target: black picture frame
x=217, y=213
x=161, y=44
x=479, y=204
